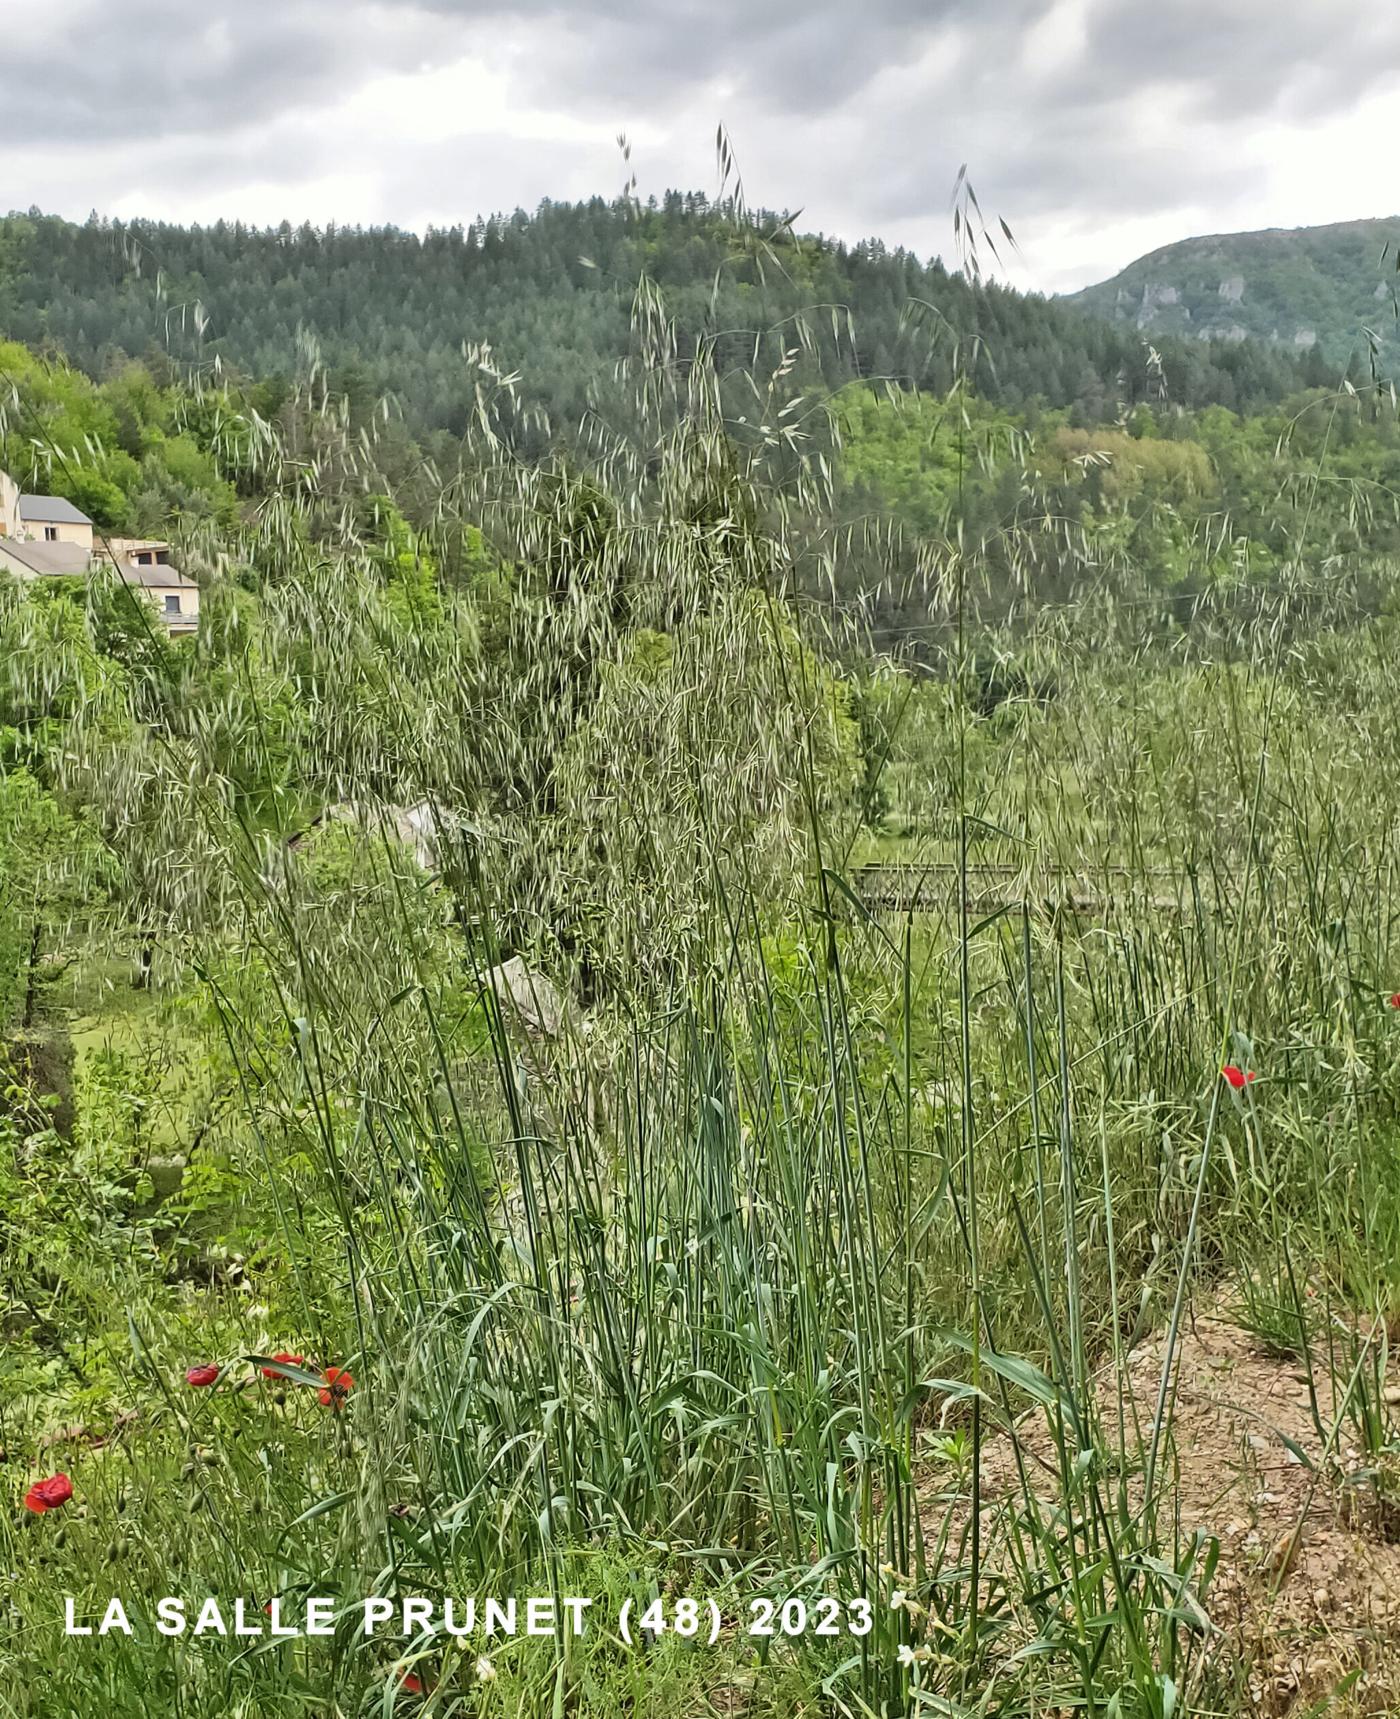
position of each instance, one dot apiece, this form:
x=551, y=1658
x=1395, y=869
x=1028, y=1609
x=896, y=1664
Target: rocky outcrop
x=531, y=999
x=1307, y=289
x=1156, y=295
x=418, y=826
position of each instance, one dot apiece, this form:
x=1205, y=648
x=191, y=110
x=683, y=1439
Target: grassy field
x=987, y=1308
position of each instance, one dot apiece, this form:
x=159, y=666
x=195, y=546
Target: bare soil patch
x=1308, y=1581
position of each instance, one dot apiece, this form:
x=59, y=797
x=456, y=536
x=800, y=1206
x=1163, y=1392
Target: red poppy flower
x=1395, y=999
x=339, y=1383
x=48, y=1494
x=1236, y=1076
x=285, y=1356
x=199, y=1377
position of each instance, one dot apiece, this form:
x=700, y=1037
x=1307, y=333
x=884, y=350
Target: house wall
x=146, y=551
x=181, y=617
x=9, y=506
x=40, y=529
x=186, y=616
x=8, y=564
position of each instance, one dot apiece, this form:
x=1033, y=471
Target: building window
x=50, y=534
x=172, y=603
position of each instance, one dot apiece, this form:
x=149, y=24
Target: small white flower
x=907, y=1655
x=898, y=1599
x=485, y=1671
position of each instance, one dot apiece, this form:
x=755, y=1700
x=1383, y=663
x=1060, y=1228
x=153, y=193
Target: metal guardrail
x=916, y=888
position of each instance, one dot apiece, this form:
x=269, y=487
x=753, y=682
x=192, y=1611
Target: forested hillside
x=764, y=1010
x=1328, y=290
x=552, y=294
x=1183, y=502
x=618, y=1191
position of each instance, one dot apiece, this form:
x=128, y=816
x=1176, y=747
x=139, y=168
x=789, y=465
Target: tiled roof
x=51, y=510
x=50, y=558
x=160, y=577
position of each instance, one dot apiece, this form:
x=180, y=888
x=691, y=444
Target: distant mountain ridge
x=552, y=293
x=1305, y=288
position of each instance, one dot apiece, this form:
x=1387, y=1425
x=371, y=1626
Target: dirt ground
x=1308, y=1580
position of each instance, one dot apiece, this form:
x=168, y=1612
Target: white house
x=176, y=598
x=44, y=536
x=9, y=506
x=51, y=519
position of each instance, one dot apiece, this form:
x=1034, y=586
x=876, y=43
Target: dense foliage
x=472, y=1124
x=128, y=452
x=552, y=295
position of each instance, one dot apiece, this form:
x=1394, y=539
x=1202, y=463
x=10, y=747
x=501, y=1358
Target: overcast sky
x=1098, y=129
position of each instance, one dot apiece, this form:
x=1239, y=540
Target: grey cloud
x=841, y=108
x=797, y=59
x=1098, y=155
x=162, y=68
x=1241, y=57
x=165, y=68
